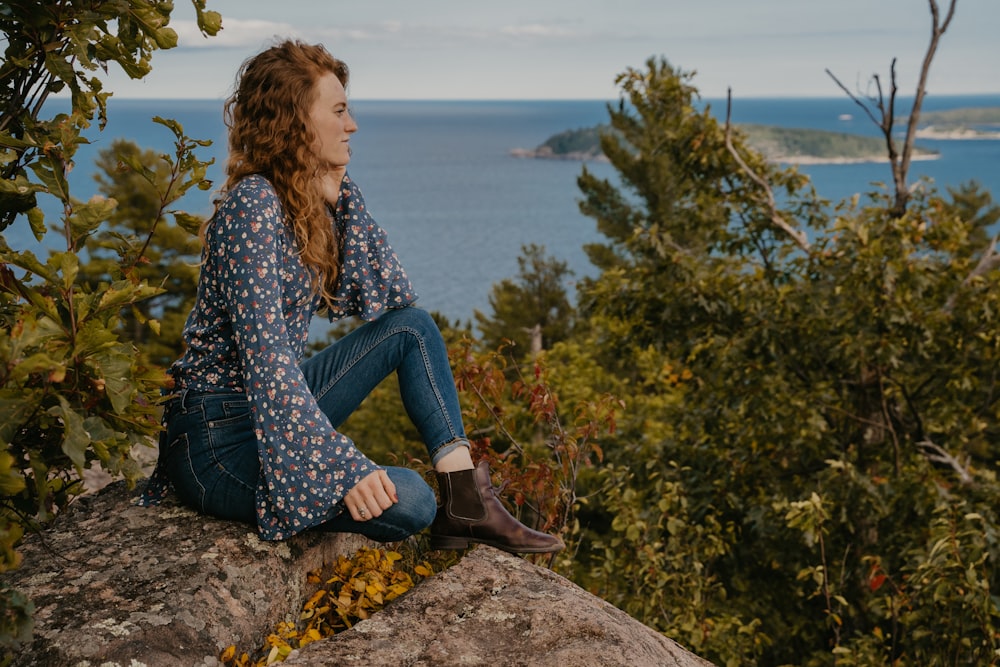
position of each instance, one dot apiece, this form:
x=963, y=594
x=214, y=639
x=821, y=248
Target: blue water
x=439, y=177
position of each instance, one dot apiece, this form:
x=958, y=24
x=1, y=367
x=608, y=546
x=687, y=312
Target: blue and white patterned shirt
x=248, y=331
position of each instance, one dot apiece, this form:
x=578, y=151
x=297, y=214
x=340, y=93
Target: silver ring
x=362, y=512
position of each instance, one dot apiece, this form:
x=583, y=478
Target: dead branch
x=938, y=28
x=886, y=112
x=797, y=235
x=989, y=261
x=900, y=162
x=937, y=454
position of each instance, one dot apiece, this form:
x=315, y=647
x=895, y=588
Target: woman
x=250, y=432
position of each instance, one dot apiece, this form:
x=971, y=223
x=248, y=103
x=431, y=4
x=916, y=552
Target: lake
x=458, y=207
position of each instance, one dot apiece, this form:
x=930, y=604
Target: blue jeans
x=211, y=455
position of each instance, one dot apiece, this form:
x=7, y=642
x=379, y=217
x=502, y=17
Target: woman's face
x=331, y=122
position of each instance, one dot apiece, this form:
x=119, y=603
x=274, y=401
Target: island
x=802, y=146
x=971, y=123
x=810, y=146
x=778, y=144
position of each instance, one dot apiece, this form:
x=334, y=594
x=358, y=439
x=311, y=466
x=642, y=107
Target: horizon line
x=541, y=99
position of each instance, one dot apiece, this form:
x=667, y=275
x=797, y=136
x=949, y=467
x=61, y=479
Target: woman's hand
x=330, y=183
x=373, y=495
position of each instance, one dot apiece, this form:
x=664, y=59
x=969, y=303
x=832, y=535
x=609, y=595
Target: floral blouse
x=248, y=332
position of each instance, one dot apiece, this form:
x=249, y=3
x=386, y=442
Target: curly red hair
x=269, y=135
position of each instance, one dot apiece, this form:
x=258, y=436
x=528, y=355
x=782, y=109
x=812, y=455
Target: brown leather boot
x=469, y=511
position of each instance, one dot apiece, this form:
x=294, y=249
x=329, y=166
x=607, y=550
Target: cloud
x=235, y=33
x=537, y=30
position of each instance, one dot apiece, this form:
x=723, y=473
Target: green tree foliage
x=806, y=469
x=140, y=243
x=531, y=309
x=72, y=390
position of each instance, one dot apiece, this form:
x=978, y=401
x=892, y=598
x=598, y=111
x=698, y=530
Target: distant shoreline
x=881, y=159
x=962, y=134
x=546, y=153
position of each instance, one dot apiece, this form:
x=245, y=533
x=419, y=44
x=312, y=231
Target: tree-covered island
x=969, y=123
x=798, y=145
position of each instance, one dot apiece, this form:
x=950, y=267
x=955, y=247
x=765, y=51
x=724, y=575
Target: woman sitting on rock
x=251, y=427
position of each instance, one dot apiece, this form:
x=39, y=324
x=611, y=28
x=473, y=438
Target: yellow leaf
x=393, y=556
x=423, y=571
x=310, y=636
x=228, y=654
x=316, y=597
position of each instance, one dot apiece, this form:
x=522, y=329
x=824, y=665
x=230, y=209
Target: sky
x=574, y=49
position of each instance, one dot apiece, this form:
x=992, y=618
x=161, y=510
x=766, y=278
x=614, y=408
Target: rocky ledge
x=496, y=609
x=118, y=585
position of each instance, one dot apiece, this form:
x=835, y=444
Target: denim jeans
x=212, y=455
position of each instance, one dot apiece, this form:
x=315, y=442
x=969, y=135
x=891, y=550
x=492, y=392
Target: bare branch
x=938, y=454
x=938, y=28
x=797, y=235
x=989, y=261
x=885, y=118
x=868, y=112
x=900, y=162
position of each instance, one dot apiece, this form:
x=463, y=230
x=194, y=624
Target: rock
x=496, y=609
x=118, y=585
x=115, y=584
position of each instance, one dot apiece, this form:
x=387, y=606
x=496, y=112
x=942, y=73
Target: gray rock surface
x=115, y=584
x=499, y=610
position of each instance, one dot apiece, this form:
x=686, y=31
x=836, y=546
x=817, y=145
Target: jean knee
x=417, y=504
x=415, y=318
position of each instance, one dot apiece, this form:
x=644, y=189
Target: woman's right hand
x=374, y=494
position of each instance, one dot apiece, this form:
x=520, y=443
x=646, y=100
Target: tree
x=169, y=253
x=71, y=390
x=532, y=310
x=806, y=471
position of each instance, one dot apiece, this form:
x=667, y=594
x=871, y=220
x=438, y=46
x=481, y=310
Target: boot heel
x=448, y=543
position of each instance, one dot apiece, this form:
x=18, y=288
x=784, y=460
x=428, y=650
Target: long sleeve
x=371, y=277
